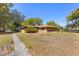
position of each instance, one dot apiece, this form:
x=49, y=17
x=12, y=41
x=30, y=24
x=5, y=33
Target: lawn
x=49, y=44
x=5, y=39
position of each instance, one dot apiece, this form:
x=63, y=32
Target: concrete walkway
x=19, y=47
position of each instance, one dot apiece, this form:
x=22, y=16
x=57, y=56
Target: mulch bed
x=2, y=33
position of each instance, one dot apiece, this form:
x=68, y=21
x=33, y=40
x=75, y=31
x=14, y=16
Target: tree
x=37, y=21
x=9, y=18
x=17, y=18
x=73, y=19
x=32, y=21
x=52, y=23
x=4, y=15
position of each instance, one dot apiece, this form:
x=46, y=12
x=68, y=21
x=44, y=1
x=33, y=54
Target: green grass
x=5, y=39
x=54, y=43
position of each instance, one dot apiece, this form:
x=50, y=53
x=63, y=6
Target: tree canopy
x=52, y=23
x=9, y=18
x=73, y=17
x=32, y=21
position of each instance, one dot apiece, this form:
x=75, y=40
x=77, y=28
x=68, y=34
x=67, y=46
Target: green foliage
x=9, y=18
x=17, y=18
x=52, y=23
x=73, y=17
x=31, y=30
x=32, y=21
x=4, y=15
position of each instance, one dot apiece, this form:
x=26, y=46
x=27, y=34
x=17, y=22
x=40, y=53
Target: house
x=46, y=28
x=42, y=28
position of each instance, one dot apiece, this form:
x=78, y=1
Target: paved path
x=19, y=47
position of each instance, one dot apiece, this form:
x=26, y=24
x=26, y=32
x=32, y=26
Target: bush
x=31, y=30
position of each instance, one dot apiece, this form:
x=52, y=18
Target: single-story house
x=43, y=28
x=46, y=28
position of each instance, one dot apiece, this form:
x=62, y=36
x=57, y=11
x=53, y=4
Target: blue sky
x=47, y=11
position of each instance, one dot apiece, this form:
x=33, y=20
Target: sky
x=47, y=11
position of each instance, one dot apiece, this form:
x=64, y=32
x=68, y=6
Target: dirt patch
x=4, y=33
x=6, y=49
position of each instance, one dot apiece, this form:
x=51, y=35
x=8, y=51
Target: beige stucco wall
x=23, y=31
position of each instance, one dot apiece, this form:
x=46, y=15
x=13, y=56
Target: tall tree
x=4, y=15
x=9, y=18
x=17, y=18
x=73, y=19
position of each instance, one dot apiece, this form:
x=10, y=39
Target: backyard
x=55, y=43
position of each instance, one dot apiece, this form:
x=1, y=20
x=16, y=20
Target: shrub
x=31, y=30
